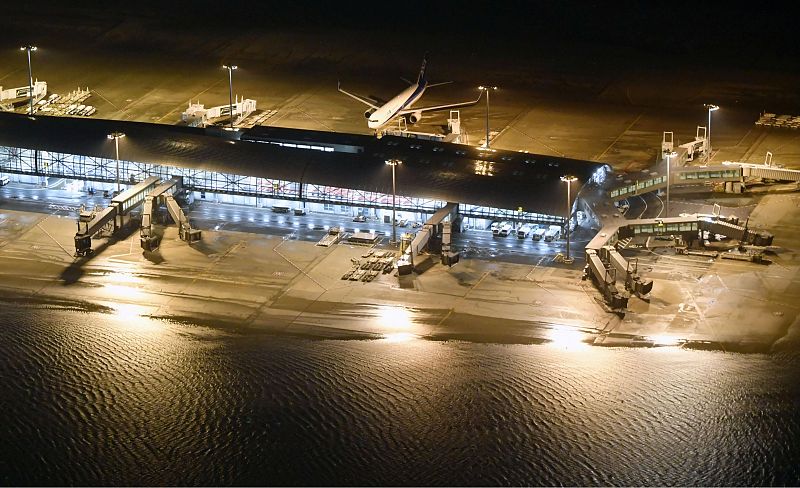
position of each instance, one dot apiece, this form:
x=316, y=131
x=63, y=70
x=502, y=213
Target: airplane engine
x=368, y=113
x=414, y=117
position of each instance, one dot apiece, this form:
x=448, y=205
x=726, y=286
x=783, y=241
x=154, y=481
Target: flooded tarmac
x=107, y=396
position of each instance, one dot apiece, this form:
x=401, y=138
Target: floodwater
x=115, y=398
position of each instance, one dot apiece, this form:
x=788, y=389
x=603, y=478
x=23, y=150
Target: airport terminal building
x=280, y=167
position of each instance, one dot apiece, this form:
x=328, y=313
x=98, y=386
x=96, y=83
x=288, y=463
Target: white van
x=524, y=231
x=4, y=180
x=538, y=234
x=496, y=229
x=506, y=229
x=553, y=233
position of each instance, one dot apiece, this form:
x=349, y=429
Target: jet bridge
x=164, y=193
x=604, y=264
x=113, y=217
x=434, y=226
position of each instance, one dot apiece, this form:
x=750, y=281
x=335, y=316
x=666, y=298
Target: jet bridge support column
x=147, y=240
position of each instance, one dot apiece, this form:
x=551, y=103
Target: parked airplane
x=401, y=105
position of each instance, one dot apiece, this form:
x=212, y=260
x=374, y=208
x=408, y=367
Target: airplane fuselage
x=403, y=101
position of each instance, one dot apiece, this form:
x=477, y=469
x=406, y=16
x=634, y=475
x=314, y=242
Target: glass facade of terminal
x=100, y=173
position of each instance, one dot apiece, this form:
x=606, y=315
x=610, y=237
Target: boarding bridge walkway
x=768, y=172
x=164, y=193
x=680, y=176
x=114, y=216
x=432, y=227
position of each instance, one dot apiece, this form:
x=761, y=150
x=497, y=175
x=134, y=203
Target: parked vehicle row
x=537, y=232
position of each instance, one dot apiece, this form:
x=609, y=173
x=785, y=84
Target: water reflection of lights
x=396, y=337
x=395, y=317
x=124, y=292
x=135, y=317
x=665, y=340
x=566, y=338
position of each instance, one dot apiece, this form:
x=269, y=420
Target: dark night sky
x=630, y=23
x=755, y=35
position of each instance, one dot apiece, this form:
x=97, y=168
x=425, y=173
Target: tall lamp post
x=568, y=180
x=230, y=68
x=711, y=108
x=117, y=136
x=393, y=163
x=29, y=49
x=487, y=89
x=669, y=155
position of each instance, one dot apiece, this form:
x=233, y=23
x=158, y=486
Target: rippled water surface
x=91, y=398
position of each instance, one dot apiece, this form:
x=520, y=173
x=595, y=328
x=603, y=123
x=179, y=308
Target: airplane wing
x=361, y=99
x=440, y=107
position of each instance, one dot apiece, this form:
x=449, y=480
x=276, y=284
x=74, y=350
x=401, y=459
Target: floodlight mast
x=568, y=179
x=29, y=49
x=487, y=89
x=230, y=68
x=393, y=163
x=117, y=136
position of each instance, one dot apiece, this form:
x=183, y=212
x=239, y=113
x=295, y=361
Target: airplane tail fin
x=421, y=78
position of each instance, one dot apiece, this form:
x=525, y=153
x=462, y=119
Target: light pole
x=29, y=48
x=117, y=136
x=711, y=108
x=486, y=89
x=393, y=163
x=568, y=180
x=230, y=68
x=669, y=156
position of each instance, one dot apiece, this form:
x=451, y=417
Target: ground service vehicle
x=553, y=233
